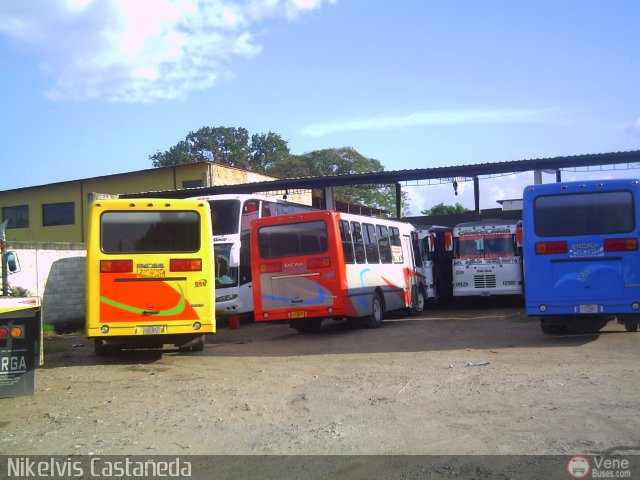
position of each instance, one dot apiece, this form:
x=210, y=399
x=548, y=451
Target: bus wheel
x=194, y=345
x=631, y=327
x=198, y=344
x=307, y=325
x=101, y=348
x=547, y=329
x=420, y=301
x=377, y=312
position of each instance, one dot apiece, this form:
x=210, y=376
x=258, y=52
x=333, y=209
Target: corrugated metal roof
x=395, y=176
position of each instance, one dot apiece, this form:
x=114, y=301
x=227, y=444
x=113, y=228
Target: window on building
x=191, y=183
x=18, y=216
x=58, y=214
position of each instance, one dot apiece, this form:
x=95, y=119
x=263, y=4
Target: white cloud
x=634, y=129
x=140, y=50
x=434, y=118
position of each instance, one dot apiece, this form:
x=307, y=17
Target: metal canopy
x=396, y=176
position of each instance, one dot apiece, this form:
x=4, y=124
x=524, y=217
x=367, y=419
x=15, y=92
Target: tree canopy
x=442, y=209
x=269, y=153
x=226, y=145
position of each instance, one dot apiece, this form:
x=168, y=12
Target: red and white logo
x=578, y=467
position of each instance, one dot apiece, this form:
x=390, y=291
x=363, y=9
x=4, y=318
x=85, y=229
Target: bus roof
x=313, y=214
x=486, y=227
x=586, y=185
x=241, y=196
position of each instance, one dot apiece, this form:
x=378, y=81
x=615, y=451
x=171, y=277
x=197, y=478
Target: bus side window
x=249, y=212
x=266, y=209
x=371, y=244
x=245, y=259
x=358, y=242
x=347, y=244
x=384, y=244
x=396, y=245
x=417, y=253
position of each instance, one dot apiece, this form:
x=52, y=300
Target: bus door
x=411, y=272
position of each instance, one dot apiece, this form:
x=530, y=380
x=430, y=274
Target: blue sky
x=93, y=87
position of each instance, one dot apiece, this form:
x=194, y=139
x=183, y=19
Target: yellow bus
x=149, y=274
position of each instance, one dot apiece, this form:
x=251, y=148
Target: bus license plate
x=151, y=329
x=298, y=314
x=589, y=308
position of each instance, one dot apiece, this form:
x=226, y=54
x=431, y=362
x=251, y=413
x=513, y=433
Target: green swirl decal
x=179, y=307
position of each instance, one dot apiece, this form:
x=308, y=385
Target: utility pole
x=5, y=266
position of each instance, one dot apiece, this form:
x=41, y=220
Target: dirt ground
x=405, y=388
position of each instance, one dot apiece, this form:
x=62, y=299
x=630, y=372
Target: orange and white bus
x=149, y=274
x=324, y=264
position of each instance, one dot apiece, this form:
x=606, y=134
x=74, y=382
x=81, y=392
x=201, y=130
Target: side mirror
x=12, y=262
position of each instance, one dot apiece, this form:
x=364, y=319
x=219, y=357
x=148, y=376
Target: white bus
x=487, y=258
x=436, y=250
x=231, y=215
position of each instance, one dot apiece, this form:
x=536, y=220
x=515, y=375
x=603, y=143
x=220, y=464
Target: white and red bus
x=487, y=258
x=324, y=264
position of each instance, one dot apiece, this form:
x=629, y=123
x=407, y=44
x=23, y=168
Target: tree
x=267, y=150
x=442, y=209
x=269, y=153
x=340, y=161
x=226, y=145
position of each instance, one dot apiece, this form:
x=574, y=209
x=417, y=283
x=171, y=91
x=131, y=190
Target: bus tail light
x=271, y=267
x=13, y=332
x=544, y=248
x=323, y=262
x=116, y=266
x=620, y=244
x=185, y=265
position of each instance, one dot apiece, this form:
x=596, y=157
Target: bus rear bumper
x=585, y=309
x=292, y=316
x=486, y=292
x=158, y=331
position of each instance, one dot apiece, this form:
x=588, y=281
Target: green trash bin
x=20, y=345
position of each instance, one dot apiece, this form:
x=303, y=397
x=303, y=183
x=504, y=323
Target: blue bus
x=581, y=260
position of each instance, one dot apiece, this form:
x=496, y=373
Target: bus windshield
x=226, y=276
x=292, y=239
x=583, y=214
x=225, y=215
x=486, y=246
x=149, y=231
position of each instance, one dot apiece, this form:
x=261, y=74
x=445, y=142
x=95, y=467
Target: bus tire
x=547, y=329
x=198, y=344
x=631, y=327
x=101, y=347
x=374, y=320
x=420, y=301
x=307, y=325
x=194, y=345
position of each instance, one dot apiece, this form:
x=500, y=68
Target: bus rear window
x=291, y=239
x=583, y=214
x=149, y=232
